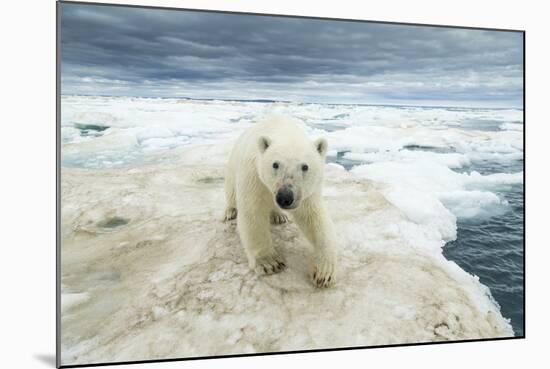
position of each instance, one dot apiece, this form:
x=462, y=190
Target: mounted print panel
x=235, y=184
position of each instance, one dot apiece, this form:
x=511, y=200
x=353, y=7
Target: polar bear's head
x=291, y=172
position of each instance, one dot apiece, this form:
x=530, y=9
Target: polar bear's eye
x=305, y=167
x=275, y=165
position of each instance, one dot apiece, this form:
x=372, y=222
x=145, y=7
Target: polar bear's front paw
x=278, y=218
x=230, y=214
x=324, y=273
x=270, y=264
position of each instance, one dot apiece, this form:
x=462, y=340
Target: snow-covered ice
x=150, y=271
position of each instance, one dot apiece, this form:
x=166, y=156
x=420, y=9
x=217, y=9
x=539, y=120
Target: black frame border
x=58, y=186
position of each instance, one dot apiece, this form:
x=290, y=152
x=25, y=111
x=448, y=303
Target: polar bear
x=274, y=171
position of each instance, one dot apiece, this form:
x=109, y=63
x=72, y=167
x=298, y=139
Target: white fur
x=251, y=184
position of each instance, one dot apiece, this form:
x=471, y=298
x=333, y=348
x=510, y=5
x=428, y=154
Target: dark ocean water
x=492, y=248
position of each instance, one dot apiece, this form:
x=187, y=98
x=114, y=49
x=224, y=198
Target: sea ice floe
x=416, y=186
x=512, y=126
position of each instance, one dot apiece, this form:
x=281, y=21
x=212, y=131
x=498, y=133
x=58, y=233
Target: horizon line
x=266, y=101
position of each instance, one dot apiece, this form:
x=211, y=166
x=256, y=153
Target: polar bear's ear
x=264, y=143
x=321, y=146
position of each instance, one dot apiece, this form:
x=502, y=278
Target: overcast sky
x=108, y=50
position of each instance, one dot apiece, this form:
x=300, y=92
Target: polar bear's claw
x=270, y=265
x=278, y=218
x=230, y=214
x=323, y=275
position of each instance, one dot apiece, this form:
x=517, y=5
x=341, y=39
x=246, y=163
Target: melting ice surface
x=408, y=187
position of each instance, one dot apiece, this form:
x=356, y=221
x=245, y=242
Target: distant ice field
x=458, y=171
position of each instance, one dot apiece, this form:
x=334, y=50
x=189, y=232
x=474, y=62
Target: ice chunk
x=450, y=160
x=512, y=126
x=415, y=186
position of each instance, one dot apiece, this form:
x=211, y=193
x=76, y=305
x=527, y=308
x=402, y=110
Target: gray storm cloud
x=110, y=50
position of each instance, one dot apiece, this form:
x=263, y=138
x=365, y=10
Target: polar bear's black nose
x=284, y=197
